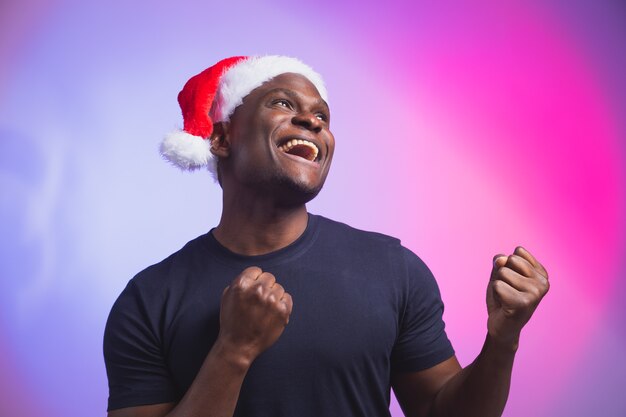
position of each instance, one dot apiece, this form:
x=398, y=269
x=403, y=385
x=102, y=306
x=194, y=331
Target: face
x=279, y=141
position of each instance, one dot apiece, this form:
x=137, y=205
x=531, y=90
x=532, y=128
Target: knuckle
x=535, y=292
x=288, y=300
x=526, y=302
x=252, y=270
x=543, y=290
x=543, y=281
x=239, y=286
x=288, y=309
x=521, y=263
x=283, y=308
x=516, y=263
x=502, y=273
x=266, y=280
x=257, y=292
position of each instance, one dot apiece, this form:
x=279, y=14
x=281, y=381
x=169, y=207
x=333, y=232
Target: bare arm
x=253, y=314
x=480, y=389
x=518, y=283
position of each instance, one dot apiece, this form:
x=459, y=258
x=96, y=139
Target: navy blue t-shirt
x=363, y=306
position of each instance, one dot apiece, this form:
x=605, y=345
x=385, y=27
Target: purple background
x=464, y=128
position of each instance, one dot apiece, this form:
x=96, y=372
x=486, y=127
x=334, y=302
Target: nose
x=308, y=121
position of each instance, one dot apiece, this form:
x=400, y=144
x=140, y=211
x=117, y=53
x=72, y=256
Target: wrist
x=232, y=354
x=506, y=346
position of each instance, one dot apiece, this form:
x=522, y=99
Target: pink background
x=464, y=128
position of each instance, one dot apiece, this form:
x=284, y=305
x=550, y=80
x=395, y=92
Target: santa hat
x=213, y=95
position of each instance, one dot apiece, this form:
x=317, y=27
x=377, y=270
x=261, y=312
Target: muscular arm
x=253, y=314
x=518, y=283
x=480, y=389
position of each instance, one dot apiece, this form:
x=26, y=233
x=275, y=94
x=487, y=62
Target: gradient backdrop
x=464, y=128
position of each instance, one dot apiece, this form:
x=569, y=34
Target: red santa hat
x=212, y=96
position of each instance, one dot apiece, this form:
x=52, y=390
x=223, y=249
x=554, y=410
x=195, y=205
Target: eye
x=322, y=117
x=283, y=103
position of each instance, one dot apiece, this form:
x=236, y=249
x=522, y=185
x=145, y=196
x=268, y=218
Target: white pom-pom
x=187, y=152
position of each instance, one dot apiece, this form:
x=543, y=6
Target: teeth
x=294, y=142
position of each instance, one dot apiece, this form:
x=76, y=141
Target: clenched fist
x=254, y=312
x=518, y=283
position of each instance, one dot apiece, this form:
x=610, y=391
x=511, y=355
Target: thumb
x=498, y=262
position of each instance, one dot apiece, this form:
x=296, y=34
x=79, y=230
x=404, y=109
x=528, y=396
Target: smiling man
x=279, y=312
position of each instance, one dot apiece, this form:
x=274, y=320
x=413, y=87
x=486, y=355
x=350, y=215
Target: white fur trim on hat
x=243, y=77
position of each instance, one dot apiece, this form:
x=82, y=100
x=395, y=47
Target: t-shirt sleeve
x=133, y=353
x=422, y=341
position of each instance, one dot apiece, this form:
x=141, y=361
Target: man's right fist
x=254, y=312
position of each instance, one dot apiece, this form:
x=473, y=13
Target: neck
x=256, y=226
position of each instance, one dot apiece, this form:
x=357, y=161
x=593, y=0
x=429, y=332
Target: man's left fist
x=518, y=283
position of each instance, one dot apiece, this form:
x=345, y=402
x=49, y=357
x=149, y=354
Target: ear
x=220, y=141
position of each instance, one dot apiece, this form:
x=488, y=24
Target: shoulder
x=175, y=265
x=149, y=288
x=404, y=261
x=371, y=247
x=337, y=231
x=146, y=293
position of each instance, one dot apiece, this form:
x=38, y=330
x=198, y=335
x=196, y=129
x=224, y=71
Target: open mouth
x=302, y=148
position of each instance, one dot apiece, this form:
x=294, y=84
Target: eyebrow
x=295, y=96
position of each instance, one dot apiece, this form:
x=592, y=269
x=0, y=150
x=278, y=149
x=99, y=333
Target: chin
x=291, y=192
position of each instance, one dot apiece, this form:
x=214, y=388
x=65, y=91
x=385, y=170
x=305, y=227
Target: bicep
x=416, y=391
x=154, y=410
x=136, y=365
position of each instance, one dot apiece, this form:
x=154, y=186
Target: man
x=277, y=312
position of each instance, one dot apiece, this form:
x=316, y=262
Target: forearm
x=215, y=390
x=482, y=388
